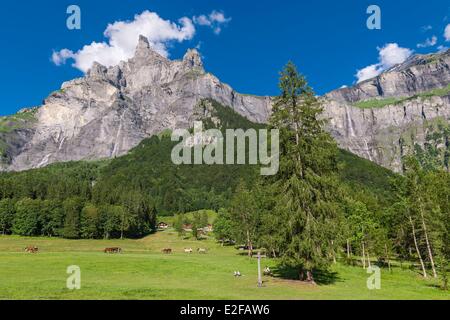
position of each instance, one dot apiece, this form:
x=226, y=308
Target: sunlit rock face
x=111, y=110
x=417, y=98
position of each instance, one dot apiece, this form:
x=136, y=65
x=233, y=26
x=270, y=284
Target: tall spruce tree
x=306, y=186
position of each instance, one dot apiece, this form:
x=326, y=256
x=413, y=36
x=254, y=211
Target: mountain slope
x=384, y=118
x=148, y=170
x=111, y=110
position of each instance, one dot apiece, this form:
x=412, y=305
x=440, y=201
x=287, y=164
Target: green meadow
x=143, y=272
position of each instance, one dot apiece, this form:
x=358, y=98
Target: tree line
x=62, y=201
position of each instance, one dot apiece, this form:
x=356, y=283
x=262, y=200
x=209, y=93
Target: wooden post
x=259, y=271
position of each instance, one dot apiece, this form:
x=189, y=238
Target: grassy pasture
x=143, y=272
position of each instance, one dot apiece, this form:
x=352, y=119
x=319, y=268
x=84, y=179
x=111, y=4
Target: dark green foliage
x=7, y=212
x=144, y=183
x=26, y=221
x=72, y=221
x=307, y=186
x=223, y=229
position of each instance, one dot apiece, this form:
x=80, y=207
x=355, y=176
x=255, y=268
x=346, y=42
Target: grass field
x=143, y=272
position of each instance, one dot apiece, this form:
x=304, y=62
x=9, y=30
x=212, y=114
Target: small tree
x=72, y=221
x=244, y=216
x=223, y=226
x=178, y=224
x=26, y=220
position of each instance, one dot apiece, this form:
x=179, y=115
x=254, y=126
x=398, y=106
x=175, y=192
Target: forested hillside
x=123, y=195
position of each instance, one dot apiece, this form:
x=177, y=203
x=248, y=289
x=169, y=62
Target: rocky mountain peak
x=111, y=110
x=420, y=73
x=193, y=59
x=97, y=71
x=144, y=51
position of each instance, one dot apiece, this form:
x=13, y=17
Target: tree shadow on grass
x=321, y=277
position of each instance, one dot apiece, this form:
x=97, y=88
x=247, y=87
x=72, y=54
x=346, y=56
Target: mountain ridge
x=111, y=110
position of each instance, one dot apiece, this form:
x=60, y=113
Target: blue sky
x=328, y=40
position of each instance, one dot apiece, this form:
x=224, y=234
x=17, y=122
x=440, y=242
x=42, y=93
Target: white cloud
x=60, y=58
x=214, y=20
x=390, y=55
x=368, y=72
x=429, y=42
x=426, y=28
x=447, y=33
x=123, y=37
x=442, y=48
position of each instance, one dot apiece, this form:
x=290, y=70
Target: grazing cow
x=188, y=250
x=31, y=249
x=167, y=251
x=113, y=250
x=237, y=274
x=201, y=250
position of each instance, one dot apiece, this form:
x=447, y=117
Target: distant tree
x=223, y=229
x=90, y=222
x=26, y=221
x=420, y=206
x=423, y=196
x=204, y=219
x=178, y=224
x=362, y=227
x=72, y=222
x=245, y=217
x=7, y=212
x=51, y=218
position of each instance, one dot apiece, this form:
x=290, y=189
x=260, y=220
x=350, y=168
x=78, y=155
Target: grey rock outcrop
x=385, y=134
x=419, y=73
x=111, y=110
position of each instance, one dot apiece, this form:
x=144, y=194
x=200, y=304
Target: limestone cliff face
x=418, y=74
x=385, y=135
x=412, y=98
x=111, y=110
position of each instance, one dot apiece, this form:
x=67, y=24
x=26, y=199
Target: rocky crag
x=111, y=110
x=384, y=118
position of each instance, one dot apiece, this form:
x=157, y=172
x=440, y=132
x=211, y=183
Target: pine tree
x=306, y=185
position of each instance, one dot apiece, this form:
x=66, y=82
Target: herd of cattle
x=34, y=249
x=186, y=250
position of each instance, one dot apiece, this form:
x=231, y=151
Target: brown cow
x=32, y=249
x=167, y=251
x=113, y=250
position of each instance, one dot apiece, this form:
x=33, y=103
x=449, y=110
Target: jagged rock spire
x=97, y=70
x=143, y=44
x=192, y=58
x=145, y=53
